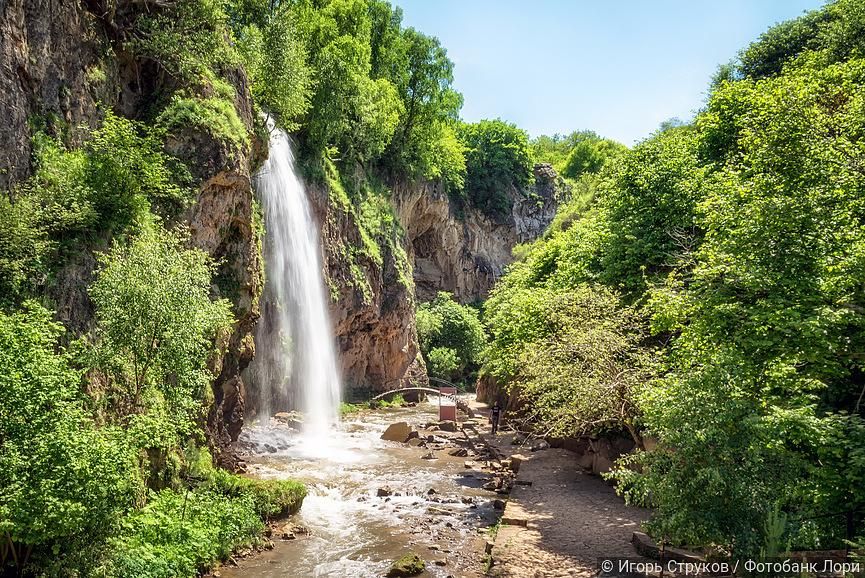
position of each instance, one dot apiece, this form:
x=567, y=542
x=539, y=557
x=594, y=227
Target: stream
x=437, y=507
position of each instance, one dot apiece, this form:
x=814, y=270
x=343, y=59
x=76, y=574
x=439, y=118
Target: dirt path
x=559, y=520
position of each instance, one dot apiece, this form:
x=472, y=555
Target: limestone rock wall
x=46, y=49
x=465, y=254
x=374, y=323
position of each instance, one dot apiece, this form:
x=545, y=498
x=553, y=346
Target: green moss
x=218, y=116
x=269, y=498
x=336, y=192
x=409, y=565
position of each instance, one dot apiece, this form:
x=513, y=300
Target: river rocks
x=416, y=442
x=384, y=492
x=409, y=565
x=429, y=456
x=541, y=445
x=447, y=425
x=469, y=464
x=458, y=452
x=498, y=504
x=516, y=460
x=397, y=432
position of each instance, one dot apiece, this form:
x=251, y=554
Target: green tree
x=156, y=326
x=589, y=155
x=451, y=337
x=63, y=482
x=649, y=203
x=498, y=164
x=765, y=376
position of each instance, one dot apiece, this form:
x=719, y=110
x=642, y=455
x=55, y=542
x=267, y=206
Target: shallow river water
x=437, y=509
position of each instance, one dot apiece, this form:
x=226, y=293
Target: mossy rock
x=409, y=565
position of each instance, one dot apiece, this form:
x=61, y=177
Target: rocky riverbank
x=434, y=489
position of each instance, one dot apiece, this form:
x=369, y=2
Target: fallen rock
x=498, y=504
x=469, y=464
x=448, y=425
x=416, y=442
x=409, y=565
x=397, y=432
x=428, y=456
x=459, y=452
x=541, y=445
x=516, y=460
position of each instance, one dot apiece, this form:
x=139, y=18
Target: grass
x=350, y=408
x=396, y=401
x=184, y=532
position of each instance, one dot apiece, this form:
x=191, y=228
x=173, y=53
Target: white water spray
x=295, y=361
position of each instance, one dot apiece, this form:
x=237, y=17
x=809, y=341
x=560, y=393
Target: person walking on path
x=495, y=416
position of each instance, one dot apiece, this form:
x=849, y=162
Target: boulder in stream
x=409, y=565
x=397, y=432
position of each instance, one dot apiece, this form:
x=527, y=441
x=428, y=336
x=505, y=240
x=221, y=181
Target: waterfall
x=295, y=365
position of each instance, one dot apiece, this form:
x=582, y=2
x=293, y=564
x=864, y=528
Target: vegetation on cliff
x=719, y=269
x=103, y=466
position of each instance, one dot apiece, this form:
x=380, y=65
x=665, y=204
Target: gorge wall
x=465, y=252
x=435, y=246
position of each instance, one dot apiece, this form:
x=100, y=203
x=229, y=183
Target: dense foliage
x=451, y=338
x=740, y=239
x=498, y=164
x=156, y=326
x=75, y=196
x=63, y=481
x=575, y=154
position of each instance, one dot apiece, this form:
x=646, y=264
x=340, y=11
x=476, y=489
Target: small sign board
x=447, y=403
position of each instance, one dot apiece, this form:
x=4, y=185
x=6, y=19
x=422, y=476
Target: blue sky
x=619, y=68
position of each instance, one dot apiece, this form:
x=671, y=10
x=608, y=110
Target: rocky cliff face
x=372, y=302
x=59, y=60
x=465, y=254
x=47, y=48
x=435, y=249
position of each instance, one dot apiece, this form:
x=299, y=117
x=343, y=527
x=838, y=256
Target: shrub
x=498, y=164
x=63, y=482
x=180, y=534
x=74, y=196
x=451, y=337
x=155, y=330
x=443, y=362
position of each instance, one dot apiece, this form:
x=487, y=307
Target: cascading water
x=295, y=361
